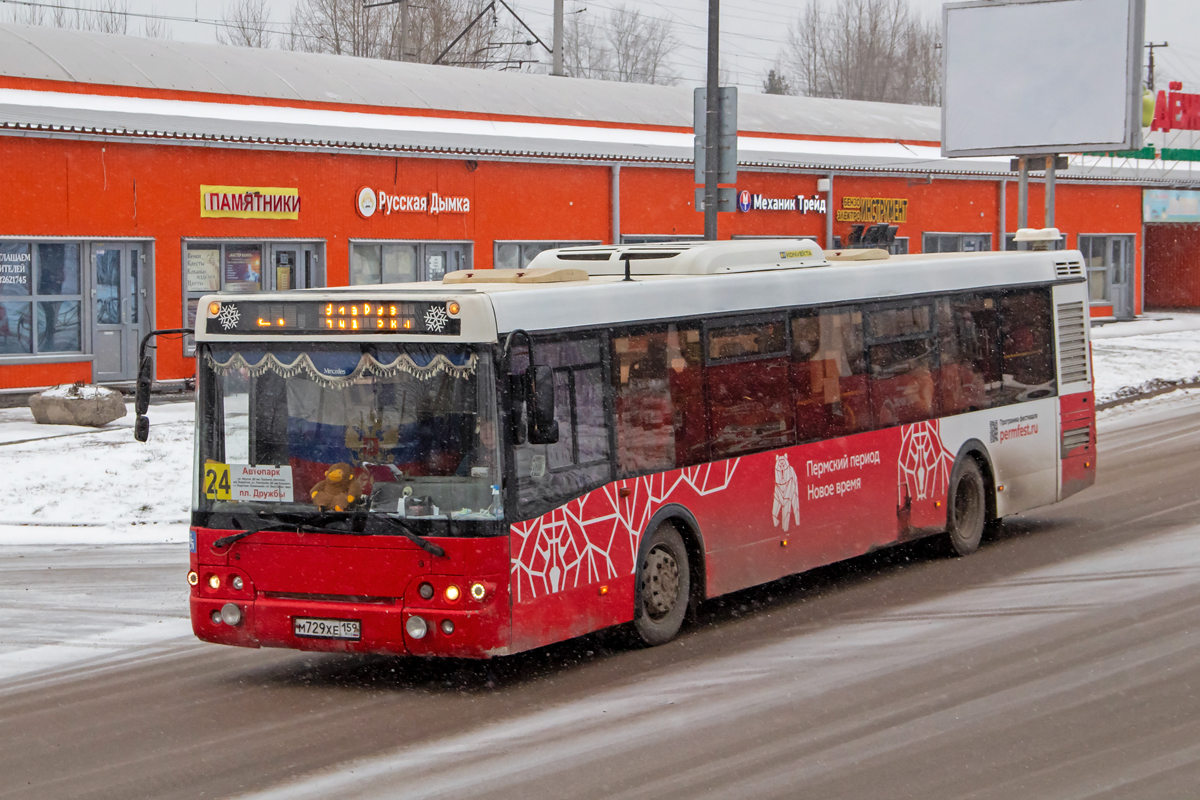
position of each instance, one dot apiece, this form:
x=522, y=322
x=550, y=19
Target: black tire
x=663, y=586
x=966, y=508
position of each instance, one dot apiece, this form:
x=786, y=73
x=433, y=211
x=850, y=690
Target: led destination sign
x=311, y=317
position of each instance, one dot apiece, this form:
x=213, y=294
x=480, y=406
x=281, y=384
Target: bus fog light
x=447, y=627
x=452, y=593
x=478, y=590
x=426, y=591
x=237, y=582
x=214, y=582
x=231, y=614
x=215, y=616
x=416, y=627
x=193, y=578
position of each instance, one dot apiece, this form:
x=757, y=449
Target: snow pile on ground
x=79, y=391
x=1147, y=355
x=82, y=485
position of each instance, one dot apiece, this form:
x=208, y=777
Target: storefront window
x=40, y=292
x=373, y=263
x=956, y=242
x=242, y=266
x=1109, y=262
x=517, y=255
x=383, y=263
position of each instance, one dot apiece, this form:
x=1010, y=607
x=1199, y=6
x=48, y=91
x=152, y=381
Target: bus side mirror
x=141, y=403
x=539, y=399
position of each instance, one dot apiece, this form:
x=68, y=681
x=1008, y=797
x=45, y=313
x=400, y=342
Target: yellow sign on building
x=873, y=209
x=250, y=202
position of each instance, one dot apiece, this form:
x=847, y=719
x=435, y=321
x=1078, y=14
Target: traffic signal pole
x=711, y=123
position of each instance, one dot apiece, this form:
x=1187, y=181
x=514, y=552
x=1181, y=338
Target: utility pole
x=1150, y=68
x=404, y=51
x=711, y=123
x=558, y=38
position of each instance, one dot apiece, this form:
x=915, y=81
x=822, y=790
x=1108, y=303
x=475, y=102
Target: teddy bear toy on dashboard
x=339, y=489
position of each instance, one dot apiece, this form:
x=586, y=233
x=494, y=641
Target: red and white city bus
x=511, y=458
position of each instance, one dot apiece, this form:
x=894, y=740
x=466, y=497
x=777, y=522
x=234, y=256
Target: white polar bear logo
x=787, y=494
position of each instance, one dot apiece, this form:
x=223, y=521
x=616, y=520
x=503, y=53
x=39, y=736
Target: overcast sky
x=753, y=31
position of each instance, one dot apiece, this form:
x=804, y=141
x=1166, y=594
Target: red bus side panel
x=761, y=517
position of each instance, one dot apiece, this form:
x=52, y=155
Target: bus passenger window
x=829, y=379
x=549, y=475
x=659, y=400
x=969, y=353
x=902, y=356
x=749, y=396
x=1026, y=333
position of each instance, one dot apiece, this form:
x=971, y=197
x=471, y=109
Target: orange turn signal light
x=452, y=307
x=214, y=308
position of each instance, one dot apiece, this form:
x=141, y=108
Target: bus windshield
x=407, y=430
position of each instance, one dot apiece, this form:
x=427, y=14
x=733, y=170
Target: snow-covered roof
x=129, y=61
x=121, y=87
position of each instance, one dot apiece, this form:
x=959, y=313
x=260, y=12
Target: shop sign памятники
x=748, y=201
x=250, y=202
x=367, y=201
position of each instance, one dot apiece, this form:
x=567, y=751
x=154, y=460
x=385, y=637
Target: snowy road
x=1059, y=661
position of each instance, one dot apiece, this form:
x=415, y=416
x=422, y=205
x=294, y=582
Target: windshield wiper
x=415, y=538
x=300, y=527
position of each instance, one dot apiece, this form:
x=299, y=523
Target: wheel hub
x=660, y=582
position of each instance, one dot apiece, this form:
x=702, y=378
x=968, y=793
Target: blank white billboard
x=1041, y=76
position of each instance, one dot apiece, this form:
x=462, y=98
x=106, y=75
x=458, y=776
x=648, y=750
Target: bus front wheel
x=966, y=511
x=663, y=586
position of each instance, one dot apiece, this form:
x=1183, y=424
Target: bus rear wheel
x=966, y=513
x=663, y=587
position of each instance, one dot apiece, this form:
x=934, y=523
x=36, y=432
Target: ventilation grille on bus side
x=1076, y=437
x=1072, y=342
x=1068, y=269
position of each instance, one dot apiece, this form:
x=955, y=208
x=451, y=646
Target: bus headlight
x=214, y=582
x=231, y=614
x=478, y=590
x=452, y=593
x=426, y=591
x=237, y=583
x=193, y=578
x=416, y=627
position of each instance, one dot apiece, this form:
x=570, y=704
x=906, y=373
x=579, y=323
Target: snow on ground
x=1133, y=358
x=76, y=485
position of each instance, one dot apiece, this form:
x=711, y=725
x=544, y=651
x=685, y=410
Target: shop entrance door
x=1121, y=276
x=443, y=258
x=118, y=309
x=293, y=266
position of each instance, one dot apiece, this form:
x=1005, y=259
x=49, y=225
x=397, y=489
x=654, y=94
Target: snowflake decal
x=435, y=319
x=229, y=316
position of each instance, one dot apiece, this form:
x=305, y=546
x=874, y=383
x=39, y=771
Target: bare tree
x=865, y=50
x=247, y=23
x=585, y=49
x=345, y=27
x=110, y=16
x=641, y=47
x=626, y=45
x=155, y=27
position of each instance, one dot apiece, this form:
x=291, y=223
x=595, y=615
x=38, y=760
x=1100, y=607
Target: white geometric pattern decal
x=595, y=537
x=924, y=463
